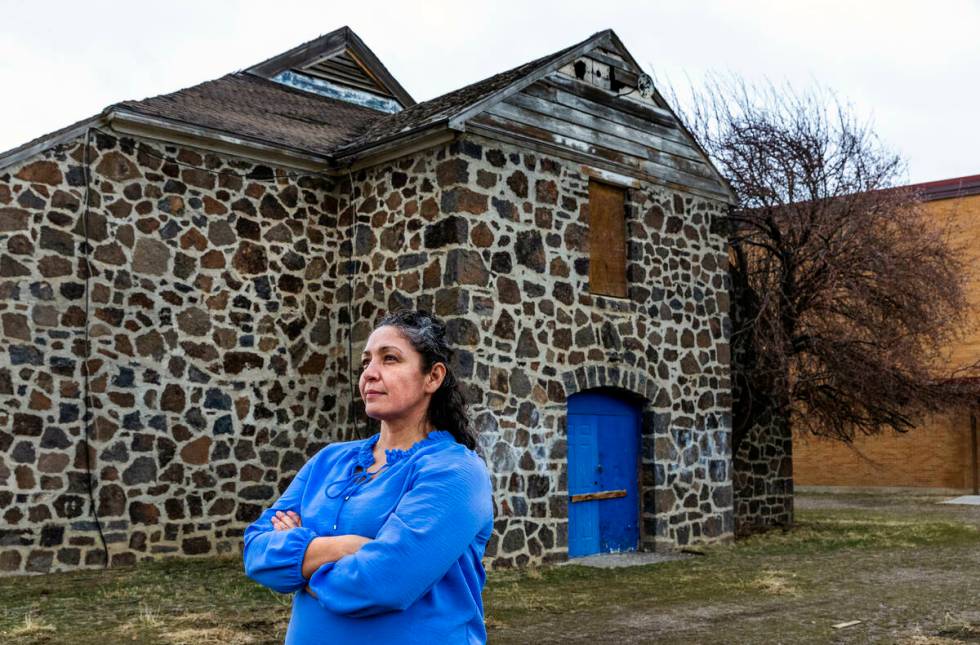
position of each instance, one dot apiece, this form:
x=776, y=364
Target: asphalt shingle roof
x=255, y=108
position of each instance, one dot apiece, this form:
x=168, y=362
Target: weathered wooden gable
x=598, y=107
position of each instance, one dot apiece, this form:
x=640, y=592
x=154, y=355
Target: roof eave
x=172, y=131
x=35, y=146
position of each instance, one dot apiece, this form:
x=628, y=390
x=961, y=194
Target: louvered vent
x=344, y=70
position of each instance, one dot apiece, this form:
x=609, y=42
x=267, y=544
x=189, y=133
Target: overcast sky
x=914, y=67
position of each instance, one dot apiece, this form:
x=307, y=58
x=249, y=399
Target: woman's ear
x=435, y=378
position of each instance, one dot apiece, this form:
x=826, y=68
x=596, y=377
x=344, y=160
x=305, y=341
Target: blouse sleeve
x=430, y=528
x=275, y=558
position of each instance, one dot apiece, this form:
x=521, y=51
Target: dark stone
x=58, y=241
x=504, y=329
x=290, y=284
x=194, y=321
x=246, y=228
x=464, y=266
x=28, y=199
x=25, y=355
x=117, y=167
x=223, y=425
x=257, y=492
x=452, y=171
x=501, y=262
x=143, y=470
x=39, y=561
x=463, y=199
x=13, y=219
x=72, y=290
x=506, y=209
x=530, y=250
x=514, y=540
x=151, y=257
x=507, y=291
x=195, y=418
x=27, y=424
x=496, y=158
x=112, y=500
x=195, y=545
x=449, y=230
x=23, y=453
x=546, y=191
x=235, y=362
x=124, y=378
x=261, y=173
x=41, y=172
x=460, y=331
x=250, y=259
x=215, y=399
x=271, y=208
x=526, y=346
x=518, y=183
x=143, y=513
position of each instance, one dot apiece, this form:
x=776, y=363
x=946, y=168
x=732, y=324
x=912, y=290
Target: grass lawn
x=908, y=569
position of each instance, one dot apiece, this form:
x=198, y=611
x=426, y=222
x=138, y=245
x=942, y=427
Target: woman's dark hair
x=427, y=334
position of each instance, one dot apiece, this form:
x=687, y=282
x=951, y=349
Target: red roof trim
x=948, y=188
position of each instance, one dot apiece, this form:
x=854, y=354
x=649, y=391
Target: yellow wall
x=937, y=454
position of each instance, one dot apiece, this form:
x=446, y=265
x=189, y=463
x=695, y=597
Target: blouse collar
x=365, y=454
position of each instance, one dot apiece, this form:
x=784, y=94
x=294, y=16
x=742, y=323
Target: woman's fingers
x=283, y=521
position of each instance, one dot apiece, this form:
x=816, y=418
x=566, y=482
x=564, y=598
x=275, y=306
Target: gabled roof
x=248, y=110
x=439, y=110
x=338, y=56
x=248, y=106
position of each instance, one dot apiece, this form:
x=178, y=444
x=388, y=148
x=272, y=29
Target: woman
x=383, y=538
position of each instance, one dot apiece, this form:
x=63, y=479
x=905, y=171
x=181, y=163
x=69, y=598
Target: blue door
x=603, y=453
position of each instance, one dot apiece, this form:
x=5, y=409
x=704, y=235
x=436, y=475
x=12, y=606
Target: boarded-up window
x=607, y=240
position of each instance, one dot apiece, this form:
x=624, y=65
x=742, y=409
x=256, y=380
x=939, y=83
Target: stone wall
x=223, y=299
x=763, y=477
x=206, y=297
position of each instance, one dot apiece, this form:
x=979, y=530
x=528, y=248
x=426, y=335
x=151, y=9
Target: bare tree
x=845, y=295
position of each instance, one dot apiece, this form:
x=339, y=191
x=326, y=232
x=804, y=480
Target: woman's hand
x=330, y=549
x=283, y=521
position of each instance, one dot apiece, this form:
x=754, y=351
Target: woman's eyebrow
x=384, y=348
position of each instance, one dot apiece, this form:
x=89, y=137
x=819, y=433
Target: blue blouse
x=429, y=513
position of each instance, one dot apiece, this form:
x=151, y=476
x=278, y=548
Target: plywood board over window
x=607, y=240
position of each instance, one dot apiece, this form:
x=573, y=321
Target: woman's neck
x=402, y=435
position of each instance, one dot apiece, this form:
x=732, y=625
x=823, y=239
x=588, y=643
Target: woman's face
x=392, y=384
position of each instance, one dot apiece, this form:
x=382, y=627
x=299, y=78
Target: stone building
x=183, y=280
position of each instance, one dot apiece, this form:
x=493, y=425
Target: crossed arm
x=321, y=550
x=433, y=524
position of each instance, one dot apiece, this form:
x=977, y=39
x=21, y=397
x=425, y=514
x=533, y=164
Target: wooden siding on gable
x=630, y=137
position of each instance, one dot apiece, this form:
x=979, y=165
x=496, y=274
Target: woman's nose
x=370, y=371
